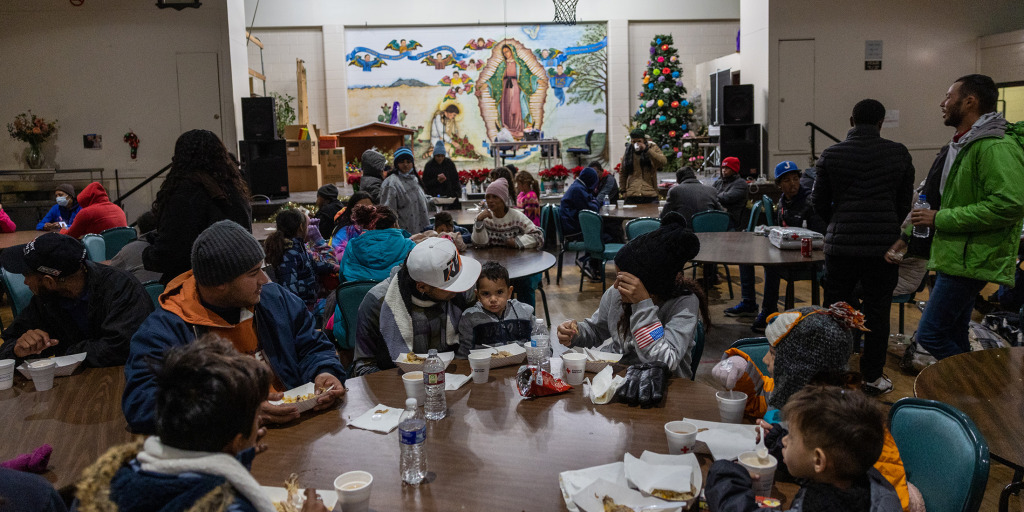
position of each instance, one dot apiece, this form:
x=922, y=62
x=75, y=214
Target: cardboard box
x=332, y=163
x=304, y=178
x=302, y=148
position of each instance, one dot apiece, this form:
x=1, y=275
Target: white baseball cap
x=436, y=262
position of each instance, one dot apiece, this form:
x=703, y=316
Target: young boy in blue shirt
x=496, y=319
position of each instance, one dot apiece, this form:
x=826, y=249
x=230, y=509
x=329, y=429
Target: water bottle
x=537, y=350
x=607, y=205
x=433, y=381
x=922, y=204
x=412, y=433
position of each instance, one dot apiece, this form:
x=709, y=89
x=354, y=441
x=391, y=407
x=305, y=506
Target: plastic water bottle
x=412, y=434
x=922, y=204
x=607, y=205
x=538, y=349
x=433, y=381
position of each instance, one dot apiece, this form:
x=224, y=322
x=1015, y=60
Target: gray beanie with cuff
x=223, y=252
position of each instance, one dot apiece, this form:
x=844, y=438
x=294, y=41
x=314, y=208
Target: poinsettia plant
x=480, y=175
x=555, y=173
x=354, y=178
x=464, y=177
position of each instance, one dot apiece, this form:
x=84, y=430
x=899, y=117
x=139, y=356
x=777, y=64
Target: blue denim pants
x=944, y=323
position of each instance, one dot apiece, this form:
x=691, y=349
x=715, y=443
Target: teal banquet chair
x=639, y=226
x=590, y=223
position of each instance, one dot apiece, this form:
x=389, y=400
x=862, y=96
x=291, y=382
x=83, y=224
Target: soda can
x=805, y=247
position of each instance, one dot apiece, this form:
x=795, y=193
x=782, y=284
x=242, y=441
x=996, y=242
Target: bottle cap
x=410, y=403
x=432, y=352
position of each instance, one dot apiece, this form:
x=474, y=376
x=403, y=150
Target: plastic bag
x=528, y=387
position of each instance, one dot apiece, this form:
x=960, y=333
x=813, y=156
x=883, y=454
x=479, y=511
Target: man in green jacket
x=978, y=227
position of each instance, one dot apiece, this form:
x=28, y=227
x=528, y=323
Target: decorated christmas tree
x=664, y=112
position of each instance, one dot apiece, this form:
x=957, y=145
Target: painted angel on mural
x=511, y=86
x=402, y=46
x=479, y=44
x=550, y=57
x=439, y=61
x=367, y=62
x=472, y=65
x=456, y=80
x=560, y=79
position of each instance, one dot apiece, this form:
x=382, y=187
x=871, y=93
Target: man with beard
x=979, y=181
x=77, y=305
x=640, y=164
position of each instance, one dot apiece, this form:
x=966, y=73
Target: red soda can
x=805, y=247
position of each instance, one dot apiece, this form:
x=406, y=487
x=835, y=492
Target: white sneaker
x=880, y=386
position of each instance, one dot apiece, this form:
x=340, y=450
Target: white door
x=199, y=92
x=796, y=95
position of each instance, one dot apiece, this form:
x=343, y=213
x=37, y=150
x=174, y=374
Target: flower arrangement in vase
x=33, y=130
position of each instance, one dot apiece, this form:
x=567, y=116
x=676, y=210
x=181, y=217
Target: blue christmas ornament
x=684, y=103
x=658, y=40
x=675, y=74
x=683, y=126
x=661, y=118
x=665, y=147
x=650, y=86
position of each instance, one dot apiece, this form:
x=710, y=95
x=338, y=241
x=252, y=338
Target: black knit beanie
x=223, y=252
x=656, y=257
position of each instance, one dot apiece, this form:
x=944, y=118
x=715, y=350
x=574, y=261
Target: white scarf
x=403, y=320
x=955, y=147
x=160, y=458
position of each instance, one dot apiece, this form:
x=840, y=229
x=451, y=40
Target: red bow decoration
x=133, y=142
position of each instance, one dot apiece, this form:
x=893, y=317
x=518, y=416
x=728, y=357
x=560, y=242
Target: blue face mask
x=62, y=200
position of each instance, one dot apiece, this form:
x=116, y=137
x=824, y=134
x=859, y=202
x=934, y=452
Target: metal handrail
x=135, y=189
x=814, y=128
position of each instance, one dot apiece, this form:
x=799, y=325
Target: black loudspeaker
x=259, y=119
x=746, y=142
x=265, y=166
x=738, y=104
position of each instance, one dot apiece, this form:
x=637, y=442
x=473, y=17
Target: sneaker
x=744, y=308
x=880, y=386
x=761, y=322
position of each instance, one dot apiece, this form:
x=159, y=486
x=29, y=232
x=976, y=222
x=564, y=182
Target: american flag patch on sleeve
x=648, y=334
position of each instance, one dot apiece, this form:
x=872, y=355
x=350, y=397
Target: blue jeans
x=944, y=323
x=747, y=293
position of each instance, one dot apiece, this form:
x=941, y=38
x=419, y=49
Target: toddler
x=496, y=319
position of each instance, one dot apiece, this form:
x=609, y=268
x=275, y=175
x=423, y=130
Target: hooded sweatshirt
x=373, y=254
x=97, y=214
x=579, y=196
x=402, y=193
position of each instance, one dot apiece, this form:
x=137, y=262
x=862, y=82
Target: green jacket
x=978, y=227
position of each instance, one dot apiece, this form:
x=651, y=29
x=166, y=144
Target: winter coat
x=58, y=213
x=97, y=214
x=451, y=186
x=863, y=190
x=402, y=193
x=690, y=196
x=643, y=180
x=794, y=212
x=732, y=195
x=515, y=225
x=481, y=327
x=294, y=349
x=371, y=185
x=112, y=307
x=664, y=333
x=326, y=214
x=26, y=492
x=6, y=224
x=578, y=197
x=607, y=188
x=373, y=254
x=978, y=228
x=298, y=271
x=190, y=209
x=530, y=205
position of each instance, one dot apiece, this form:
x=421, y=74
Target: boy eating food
x=496, y=318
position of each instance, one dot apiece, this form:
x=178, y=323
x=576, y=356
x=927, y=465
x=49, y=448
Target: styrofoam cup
x=42, y=373
x=481, y=366
x=413, y=382
x=765, y=472
x=682, y=435
x=620, y=203
x=731, y=405
x=6, y=373
x=575, y=364
x=353, y=490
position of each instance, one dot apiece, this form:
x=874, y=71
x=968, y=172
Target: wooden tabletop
x=261, y=230
x=519, y=262
x=988, y=386
x=743, y=248
x=18, y=238
x=80, y=418
x=632, y=211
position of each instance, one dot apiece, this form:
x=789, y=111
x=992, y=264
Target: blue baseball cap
x=785, y=168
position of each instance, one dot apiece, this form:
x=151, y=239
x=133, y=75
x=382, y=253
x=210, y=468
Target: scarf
x=396, y=322
x=160, y=458
x=955, y=146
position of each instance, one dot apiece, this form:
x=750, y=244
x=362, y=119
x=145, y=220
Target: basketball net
x=565, y=11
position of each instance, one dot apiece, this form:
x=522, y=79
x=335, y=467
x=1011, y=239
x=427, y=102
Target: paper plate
x=518, y=355
x=66, y=365
x=591, y=498
x=651, y=467
x=303, y=405
x=444, y=200
x=602, y=359
x=277, y=494
x=403, y=362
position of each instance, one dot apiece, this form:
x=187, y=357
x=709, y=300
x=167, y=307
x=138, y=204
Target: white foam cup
x=620, y=203
x=354, y=491
x=575, y=364
x=6, y=373
x=731, y=405
x=681, y=435
x=42, y=373
x=481, y=366
x=765, y=472
x=413, y=382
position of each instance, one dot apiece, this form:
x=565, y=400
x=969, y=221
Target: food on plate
x=672, y=495
x=381, y=411
x=293, y=503
x=413, y=358
x=611, y=506
x=297, y=399
x=501, y=353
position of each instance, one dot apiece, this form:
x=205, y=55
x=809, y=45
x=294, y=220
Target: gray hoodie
x=402, y=193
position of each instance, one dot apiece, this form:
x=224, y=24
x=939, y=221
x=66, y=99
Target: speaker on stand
x=738, y=104
x=265, y=167
x=259, y=119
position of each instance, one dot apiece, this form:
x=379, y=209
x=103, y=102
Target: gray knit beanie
x=811, y=341
x=223, y=252
x=373, y=161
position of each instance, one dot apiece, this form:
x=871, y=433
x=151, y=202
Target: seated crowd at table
x=224, y=339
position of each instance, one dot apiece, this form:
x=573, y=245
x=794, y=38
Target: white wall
x=108, y=67
x=1002, y=56
x=703, y=71
x=754, y=37
x=926, y=45
x=280, y=49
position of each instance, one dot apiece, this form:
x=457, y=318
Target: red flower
x=464, y=177
x=354, y=177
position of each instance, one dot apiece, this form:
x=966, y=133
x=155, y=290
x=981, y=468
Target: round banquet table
x=18, y=238
x=519, y=262
x=988, y=386
x=744, y=248
x=630, y=212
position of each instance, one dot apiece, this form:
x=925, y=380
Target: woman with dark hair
x=403, y=193
x=650, y=312
x=203, y=186
x=379, y=249
x=640, y=165
x=294, y=268
x=345, y=228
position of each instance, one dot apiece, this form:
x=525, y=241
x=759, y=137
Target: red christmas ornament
x=675, y=104
x=672, y=133
x=667, y=71
x=675, y=149
x=661, y=59
x=664, y=47
x=645, y=73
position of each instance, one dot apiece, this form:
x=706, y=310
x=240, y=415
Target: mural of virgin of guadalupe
x=516, y=88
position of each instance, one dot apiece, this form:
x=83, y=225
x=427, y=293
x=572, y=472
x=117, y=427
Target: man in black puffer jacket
x=863, y=190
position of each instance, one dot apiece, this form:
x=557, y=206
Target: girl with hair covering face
x=650, y=312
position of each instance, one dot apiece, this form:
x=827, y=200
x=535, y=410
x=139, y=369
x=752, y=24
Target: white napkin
x=725, y=440
x=453, y=381
x=647, y=476
x=603, y=388
x=387, y=422
x=572, y=482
